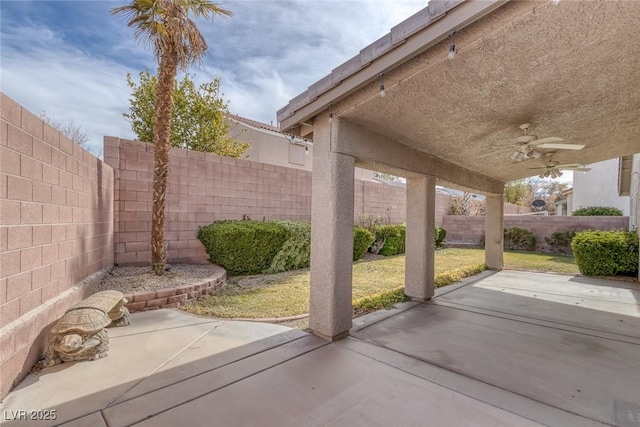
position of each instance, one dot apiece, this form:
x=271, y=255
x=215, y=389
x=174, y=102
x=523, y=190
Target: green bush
x=597, y=211
x=441, y=233
x=243, y=247
x=560, y=241
x=395, y=238
x=295, y=252
x=517, y=238
x=395, y=243
x=381, y=234
x=362, y=239
x=606, y=253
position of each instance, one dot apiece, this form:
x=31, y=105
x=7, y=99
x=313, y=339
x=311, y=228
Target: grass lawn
x=287, y=294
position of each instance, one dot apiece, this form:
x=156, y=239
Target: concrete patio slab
x=583, y=360
x=137, y=353
x=333, y=386
x=489, y=351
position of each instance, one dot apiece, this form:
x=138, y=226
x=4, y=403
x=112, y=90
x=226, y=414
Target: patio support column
x=332, y=211
x=494, y=232
x=419, y=276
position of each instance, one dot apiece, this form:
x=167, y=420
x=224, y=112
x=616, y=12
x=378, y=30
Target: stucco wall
x=470, y=229
x=599, y=187
x=56, y=230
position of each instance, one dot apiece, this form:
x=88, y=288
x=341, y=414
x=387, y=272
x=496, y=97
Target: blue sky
x=70, y=58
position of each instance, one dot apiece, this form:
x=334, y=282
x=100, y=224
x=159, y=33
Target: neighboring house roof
x=454, y=192
x=254, y=123
x=389, y=182
x=263, y=126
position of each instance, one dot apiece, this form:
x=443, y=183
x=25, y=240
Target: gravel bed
x=135, y=279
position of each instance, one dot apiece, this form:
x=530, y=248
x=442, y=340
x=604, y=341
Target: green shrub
x=441, y=233
x=517, y=238
x=395, y=239
x=597, y=211
x=560, y=241
x=606, y=253
x=362, y=239
x=395, y=243
x=295, y=252
x=382, y=233
x=243, y=247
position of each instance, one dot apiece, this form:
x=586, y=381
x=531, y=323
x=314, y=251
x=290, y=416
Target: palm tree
x=177, y=43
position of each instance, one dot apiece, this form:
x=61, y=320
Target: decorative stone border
x=175, y=297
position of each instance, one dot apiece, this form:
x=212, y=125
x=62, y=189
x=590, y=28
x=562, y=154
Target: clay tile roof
x=253, y=123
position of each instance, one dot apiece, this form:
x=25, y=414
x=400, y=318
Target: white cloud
x=268, y=53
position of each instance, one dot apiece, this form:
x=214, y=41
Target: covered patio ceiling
x=572, y=70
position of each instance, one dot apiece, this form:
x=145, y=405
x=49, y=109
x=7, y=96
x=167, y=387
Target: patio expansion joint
x=597, y=333
x=465, y=377
x=160, y=366
x=217, y=322
x=403, y=307
x=230, y=383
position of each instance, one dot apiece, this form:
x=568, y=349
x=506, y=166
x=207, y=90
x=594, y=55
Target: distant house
x=608, y=183
x=269, y=145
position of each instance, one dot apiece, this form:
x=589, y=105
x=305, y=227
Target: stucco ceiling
x=571, y=70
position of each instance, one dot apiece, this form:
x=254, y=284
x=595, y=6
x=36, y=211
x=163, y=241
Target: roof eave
x=405, y=41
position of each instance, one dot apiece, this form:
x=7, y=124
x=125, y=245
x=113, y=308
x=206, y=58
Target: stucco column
x=494, y=232
x=419, y=283
x=330, y=310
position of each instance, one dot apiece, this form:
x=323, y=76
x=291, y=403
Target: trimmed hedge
x=441, y=233
x=395, y=243
x=606, y=253
x=243, y=247
x=518, y=238
x=381, y=234
x=362, y=239
x=295, y=252
x=254, y=247
x=597, y=211
x=394, y=235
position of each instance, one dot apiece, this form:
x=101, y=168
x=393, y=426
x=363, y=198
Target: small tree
x=200, y=117
x=69, y=128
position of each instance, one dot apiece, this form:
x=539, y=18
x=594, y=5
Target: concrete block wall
x=470, y=229
x=56, y=230
x=202, y=188
x=381, y=200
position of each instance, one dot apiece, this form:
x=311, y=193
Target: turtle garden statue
x=80, y=334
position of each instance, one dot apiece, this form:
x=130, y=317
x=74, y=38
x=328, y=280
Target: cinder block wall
x=470, y=229
x=381, y=200
x=202, y=188
x=56, y=230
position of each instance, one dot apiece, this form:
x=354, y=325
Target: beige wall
x=599, y=187
x=271, y=147
x=275, y=148
x=56, y=229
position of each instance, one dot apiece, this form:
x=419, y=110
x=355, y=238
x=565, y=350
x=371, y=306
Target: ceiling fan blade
x=546, y=140
x=576, y=169
x=570, y=165
x=561, y=146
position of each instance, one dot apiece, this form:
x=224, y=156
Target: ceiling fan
x=552, y=169
x=529, y=145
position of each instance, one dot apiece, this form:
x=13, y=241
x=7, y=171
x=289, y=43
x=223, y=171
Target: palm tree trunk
x=162, y=141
